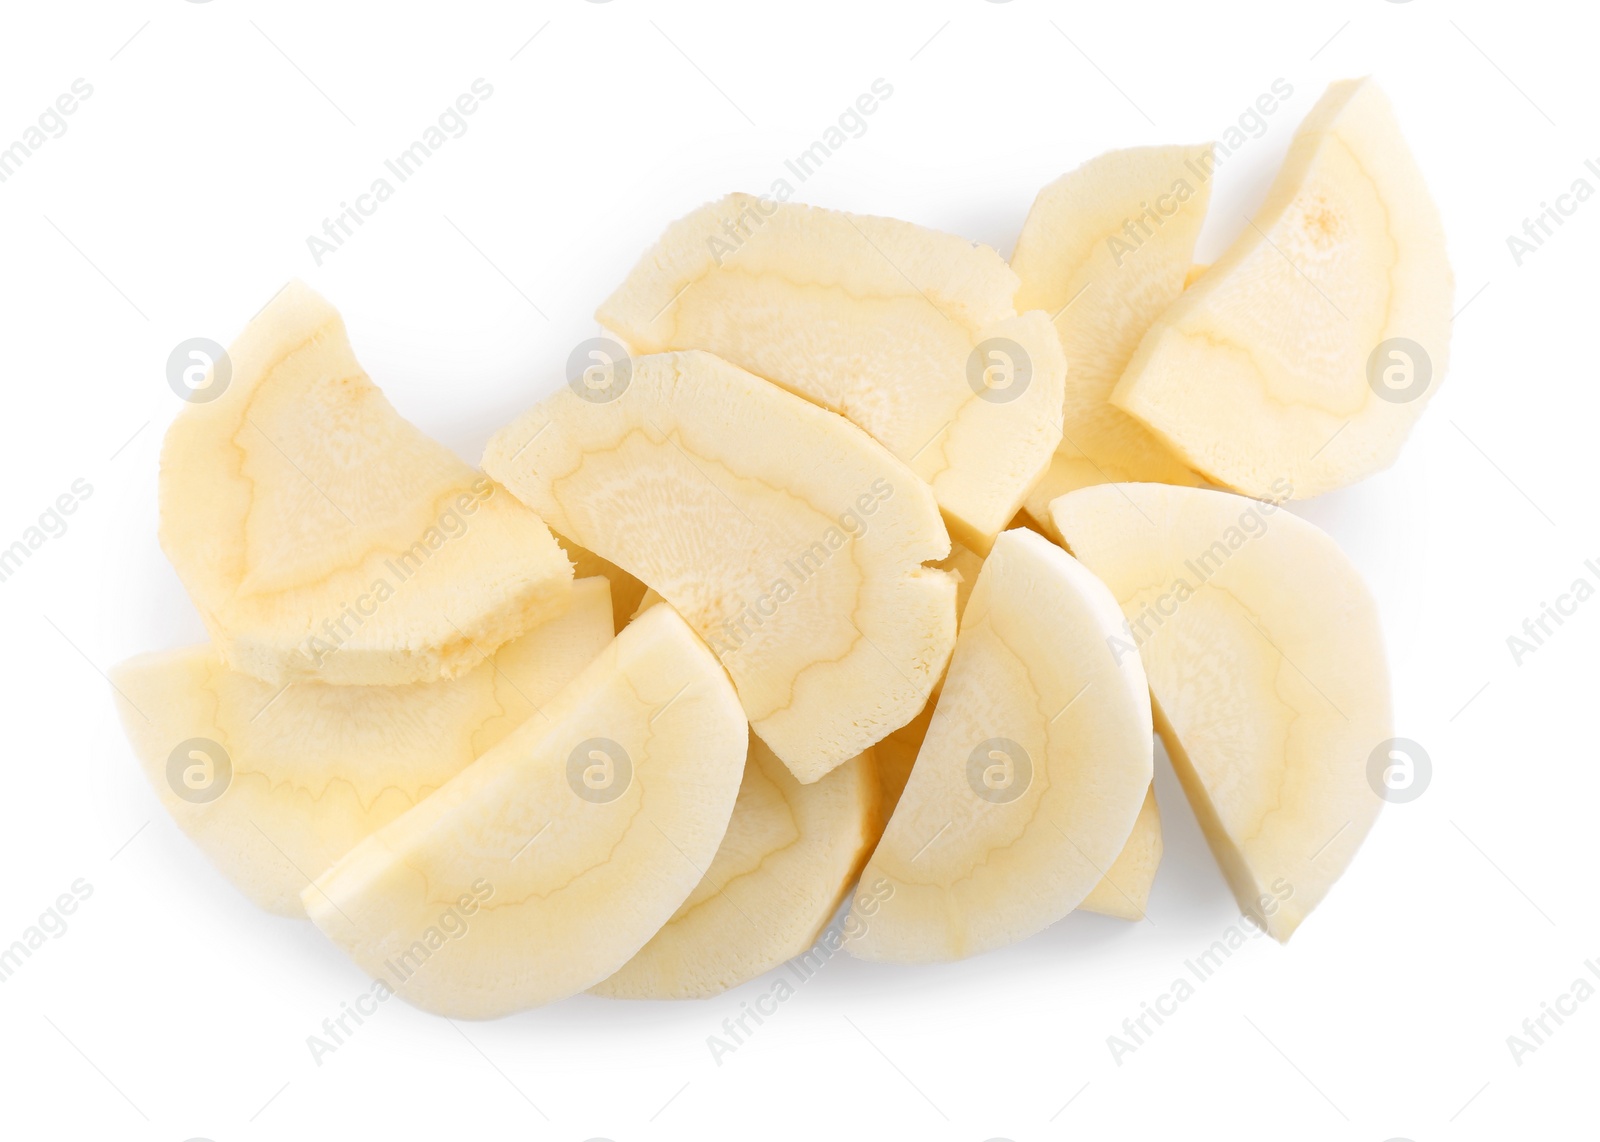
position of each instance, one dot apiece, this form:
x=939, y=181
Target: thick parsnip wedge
x=546, y=864
x=274, y=784
x=1308, y=349
x=792, y=542
x=1105, y=250
x=1032, y=773
x=1267, y=668
x=790, y=854
x=1125, y=890
x=908, y=332
x=321, y=536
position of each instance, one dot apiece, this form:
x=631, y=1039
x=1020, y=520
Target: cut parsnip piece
x=275, y=784
x=1104, y=250
x=1125, y=890
x=1032, y=773
x=787, y=538
x=321, y=536
x=1267, y=669
x=789, y=856
x=1310, y=347
x=546, y=864
x=908, y=332
x=627, y=593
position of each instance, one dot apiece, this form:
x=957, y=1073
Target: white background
x=219, y=135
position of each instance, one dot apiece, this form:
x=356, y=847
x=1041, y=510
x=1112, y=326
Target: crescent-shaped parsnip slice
x=1032, y=773
x=1267, y=668
x=1125, y=889
x=275, y=783
x=1308, y=349
x=321, y=536
x=1105, y=249
x=790, y=854
x=908, y=332
x=791, y=541
x=546, y=864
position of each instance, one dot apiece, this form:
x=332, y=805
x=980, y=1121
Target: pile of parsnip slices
x=852, y=556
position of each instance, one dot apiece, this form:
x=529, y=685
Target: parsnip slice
x=1125, y=888
x=909, y=333
x=1105, y=250
x=1309, y=348
x=541, y=868
x=306, y=771
x=1267, y=668
x=1032, y=773
x=790, y=540
x=1124, y=892
x=789, y=856
x=322, y=536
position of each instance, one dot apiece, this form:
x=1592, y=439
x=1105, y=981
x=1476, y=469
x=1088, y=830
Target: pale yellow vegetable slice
x=787, y=538
x=909, y=333
x=546, y=864
x=790, y=854
x=1032, y=773
x=1124, y=892
x=1105, y=250
x=1267, y=668
x=1307, y=351
x=275, y=783
x=1126, y=885
x=322, y=536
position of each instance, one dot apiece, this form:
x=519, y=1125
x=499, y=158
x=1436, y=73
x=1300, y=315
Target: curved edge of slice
x=1267, y=672
x=789, y=856
x=1031, y=776
x=794, y=544
x=1124, y=892
x=547, y=863
x=322, y=536
x=275, y=784
x=1105, y=249
x=1310, y=348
